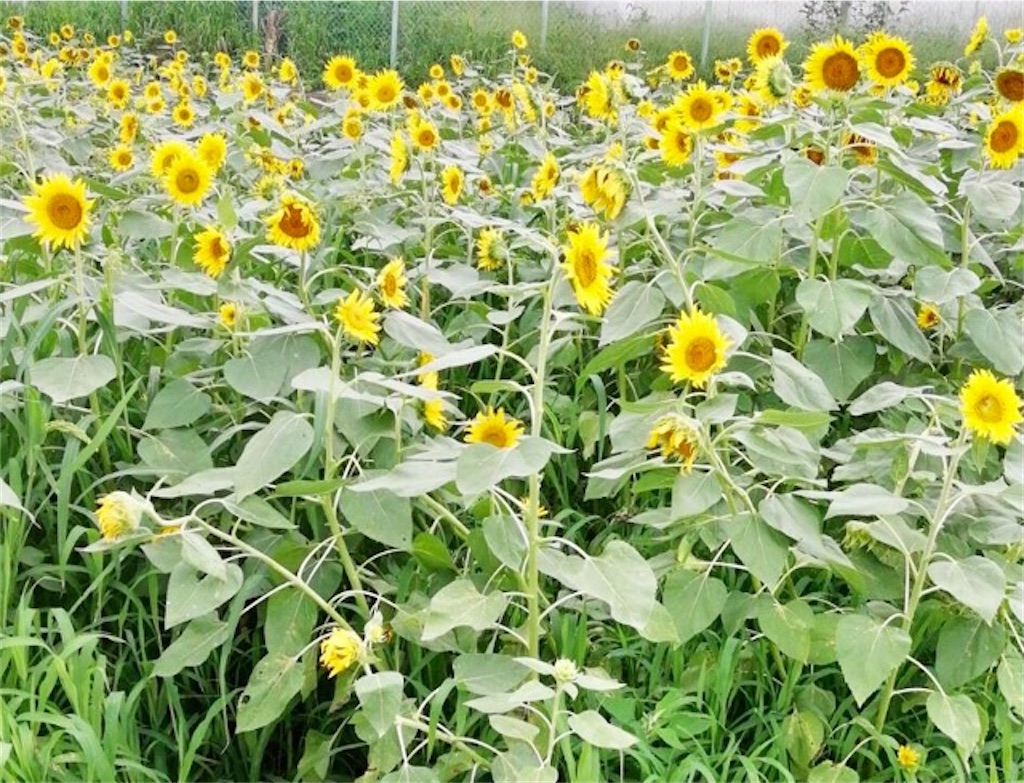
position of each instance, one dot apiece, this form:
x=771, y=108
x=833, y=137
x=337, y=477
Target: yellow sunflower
x=119, y=92
x=482, y=101
x=392, y=282
x=547, y=176
x=679, y=65
x=1014, y=35
x=352, y=125
x=928, y=316
x=696, y=349
x=765, y=42
x=424, y=135
x=677, y=438
x=604, y=190
x=399, y=157
x=252, y=86
x=1004, y=141
x=118, y=514
x=491, y=253
x=990, y=406
x=385, y=89
x=586, y=268
x=341, y=651
x=978, y=36
x=491, y=426
x=358, y=317
x=60, y=209
x=213, y=148
x=676, y=144
x=1009, y=83
x=212, y=251
x=184, y=115
x=519, y=39
x=452, y=180
x=227, y=315
x=597, y=96
x=699, y=108
x=121, y=158
x=340, y=72
x=251, y=59
x=188, y=179
x=887, y=60
x=165, y=154
x=100, y=72
x=170, y=37
x=294, y=224
x=832, y=65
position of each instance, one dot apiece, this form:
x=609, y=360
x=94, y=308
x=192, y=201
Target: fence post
x=394, y=33
x=124, y=15
x=543, y=25
x=255, y=19
x=705, y=43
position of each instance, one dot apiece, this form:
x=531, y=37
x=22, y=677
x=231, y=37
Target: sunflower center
x=390, y=285
x=890, y=62
x=217, y=248
x=1011, y=85
x=768, y=46
x=840, y=72
x=586, y=268
x=496, y=435
x=426, y=138
x=700, y=354
x=385, y=93
x=680, y=62
x=1004, y=136
x=293, y=222
x=187, y=181
x=701, y=110
x=64, y=211
x=989, y=409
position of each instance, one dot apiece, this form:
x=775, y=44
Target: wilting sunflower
x=165, y=154
x=294, y=224
x=603, y=189
x=213, y=148
x=773, y=81
x=385, y=88
x=399, y=157
x=341, y=651
x=392, y=282
x=586, y=268
x=677, y=438
x=698, y=108
x=832, y=65
x=60, y=209
x=676, y=144
x=118, y=514
x=340, y=72
x=121, y=157
x=679, y=65
x=547, y=176
x=863, y=150
x=765, y=42
x=119, y=92
x=928, y=316
x=945, y=82
x=452, y=180
x=887, y=59
x=188, y=179
x=1009, y=83
x=358, y=317
x=696, y=349
x=212, y=251
x=990, y=406
x=491, y=253
x=978, y=36
x=491, y=426
x=1004, y=141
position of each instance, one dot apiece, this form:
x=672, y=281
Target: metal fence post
x=705, y=43
x=543, y=25
x=124, y=15
x=394, y=33
x=255, y=19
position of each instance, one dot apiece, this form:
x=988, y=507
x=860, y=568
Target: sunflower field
x=475, y=430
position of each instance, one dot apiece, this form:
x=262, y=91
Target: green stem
x=961, y=307
x=812, y=271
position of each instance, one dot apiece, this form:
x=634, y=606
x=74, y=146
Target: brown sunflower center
x=187, y=180
x=701, y=110
x=390, y=285
x=386, y=93
x=700, y=354
x=426, y=137
x=1011, y=85
x=586, y=268
x=64, y=211
x=217, y=249
x=839, y=71
x=1004, y=136
x=102, y=73
x=989, y=409
x=890, y=62
x=767, y=46
x=680, y=62
x=293, y=222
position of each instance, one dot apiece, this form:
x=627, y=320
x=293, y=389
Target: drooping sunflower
x=677, y=438
x=392, y=282
x=118, y=514
x=832, y=65
x=586, y=267
x=60, y=210
x=340, y=72
x=213, y=148
x=452, y=180
x=399, y=157
x=294, y=224
x=604, y=190
x=978, y=36
x=990, y=406
x=945, y=81
x=212, y=251
x=765, y=42
x=698, y=108
x=491, y=426
x=121, y=157
x=1009, y=83
x=188, y=179
x=385, y=88
x=340, y=651
x=676, y=144
x=490, y=249
x=358, y=317
x=547, y=176
x=679, y=65
x=773, y=81
x=887, y=59
x=1004, y=141
x=696, y=349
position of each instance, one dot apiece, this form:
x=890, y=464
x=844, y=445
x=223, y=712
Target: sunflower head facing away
x=60, y=211
x=677, y=438
x=832, y=65
x=340, y=651
x=491, y=426
x=990, y=406
x=696, y=349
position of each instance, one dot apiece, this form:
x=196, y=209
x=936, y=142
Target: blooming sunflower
x=990, y=406
x=597, y=95
x=699, y=108
x=482, y=101
x=832, y=65
x=765, y=42
x=165, y=154
x=908, y=758
x=1014, y=35
x=129, y=127
x=213, y=148
x=399, y=157
x=677, y=438
x=1004, y=141
x=679, y=65
x=696, y=349
x=352, y=125
x=60, y=209
x=212, y=251
x=433, y=410
x=492, y=427
x=121, y=158
x=928, y=316
x=547, y=176
x=99, y=72
x=519, y=39
x=978, y=36
x=604, y=190
x=385, y=89
x=773, y=81
x=490, y=249
x=392, y=281
x=341, y=72
x=252, y=86
x=251, y=59
x=294, y=224
x=227, y=315
x=1009, y=83
x=184, y=115
x=452, y=180
x=170, y=37
x=424, y=135
x=118, y=93
x=187, y=179
x=340, y=651
x=887, y=59
x=676, y=144
x=358, y=317
x=586, y=268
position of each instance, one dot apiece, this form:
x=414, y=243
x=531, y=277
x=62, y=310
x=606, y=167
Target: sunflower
x=887, y=59
x=696, y=349
x=184, y=115
x=60, y=209
x=928, y=316
x=424, y=135
x=597, y=96
x=586, y=268
x=978, y=36
x=170, y=37
x=765, y=42
x=491, y=252
x=908, y=758
x=352, y=125
x=519, y=39
x=547, y=176
x=340, y=72
x=121, y=158
x=945, y=81
x=482, y=101
x=341, y=651
x=252, y=86
x=99, y=72
x=118, y=514
x=119, y=92
x=698, y=108
x=452, y=180
x=251, y=59
x=227, y=315
x=165, y=154
x=832, y=65
x=113, y=40
x=676, y=144
x=358, y=317
x=863, y=150
x=1004, y=141
x=392, y=281
x=294, y=224
x=1014, y=35
x=399, y=157
x=187, y=179
x=990, y=407
x=491, y=426
x=212, y=251
x=604, y=190
x=677, y=438
x=773, y=80
x=679, y=65
x=1009, y=83
x=385, y=89
x=213, y=148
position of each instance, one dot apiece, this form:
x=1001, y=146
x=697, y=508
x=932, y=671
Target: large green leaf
x=62, y=379
x=760, y=548
x=191, y=595
x=999, y=336
x=843, y=366
x=289, y=622
x=272, y=451
x=694, y=601
x=897, y=323
x=938, y=286
x=957, y=718
x=833, y=307
x=813, y=189
x=460, y=604
x=798, y=386
x=380, y=696
x=200, y=637
x=966, y=649
x=974, y=581
x=275, y=681
x=868, y=651
x=178, y=404
x=487, y=674
x=636, y=305
x=788, y=626
x=591, y=727
x=481, y=465
x=380, y=515
x=907, y=227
